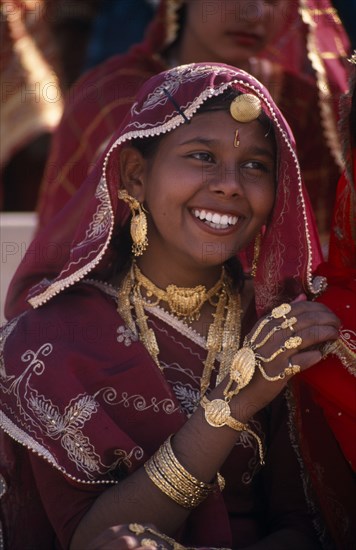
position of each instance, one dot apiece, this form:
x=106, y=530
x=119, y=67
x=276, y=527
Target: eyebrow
x=198, y=139
x=253, y=150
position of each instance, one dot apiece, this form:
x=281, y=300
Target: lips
x=215, y=220
x=245, y=39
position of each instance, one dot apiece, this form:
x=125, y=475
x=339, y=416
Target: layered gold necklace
x=184, y=303
x=224, y=332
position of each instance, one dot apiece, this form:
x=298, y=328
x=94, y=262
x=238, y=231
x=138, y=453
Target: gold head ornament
x=245, y=108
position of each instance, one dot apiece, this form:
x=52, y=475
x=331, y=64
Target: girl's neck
x=179, y=276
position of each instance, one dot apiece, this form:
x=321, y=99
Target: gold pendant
x=185, y=302
x=241, y=372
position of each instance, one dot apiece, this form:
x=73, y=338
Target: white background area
x=16, y=231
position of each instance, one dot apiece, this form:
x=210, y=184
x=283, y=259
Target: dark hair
x=221, y=102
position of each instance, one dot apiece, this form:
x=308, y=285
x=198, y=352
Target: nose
x=226, y=182
x=252, y=13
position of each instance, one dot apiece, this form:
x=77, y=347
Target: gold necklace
x=183, y=302
x=223, y=335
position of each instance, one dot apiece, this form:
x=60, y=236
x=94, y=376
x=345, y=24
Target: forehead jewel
x=245, y=108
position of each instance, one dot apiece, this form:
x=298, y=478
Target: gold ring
x=291, y=370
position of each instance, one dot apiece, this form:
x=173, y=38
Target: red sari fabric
x=81, y=394
x=93, y=414
x=98, y=103
x=333, y=380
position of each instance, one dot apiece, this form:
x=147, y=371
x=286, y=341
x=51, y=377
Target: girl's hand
x=284, y=344
x=120, y=537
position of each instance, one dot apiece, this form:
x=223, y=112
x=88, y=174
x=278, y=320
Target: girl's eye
x=255, y=165
x=202, y=156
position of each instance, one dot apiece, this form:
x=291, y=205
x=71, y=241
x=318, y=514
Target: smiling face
x=206, y=198
x=228, y=31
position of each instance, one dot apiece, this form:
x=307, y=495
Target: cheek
x=262, y=200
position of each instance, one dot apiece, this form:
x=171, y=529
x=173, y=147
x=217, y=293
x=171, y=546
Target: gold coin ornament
x=245, y=108
x=217, y=412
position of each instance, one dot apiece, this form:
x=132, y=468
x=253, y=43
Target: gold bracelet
x=218, y=414
x=168, y=474
x=170, y=487
x=218, y=483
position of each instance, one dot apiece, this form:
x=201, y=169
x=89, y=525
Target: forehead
x=219, y=126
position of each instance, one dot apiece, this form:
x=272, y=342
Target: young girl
x=229, y=31
x=148, y=382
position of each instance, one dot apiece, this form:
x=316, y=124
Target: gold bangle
x=168, y=474
x=170, y=488
x=166, y=448
x=218, y=414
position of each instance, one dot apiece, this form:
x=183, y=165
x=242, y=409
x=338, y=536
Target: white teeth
x=215, y=220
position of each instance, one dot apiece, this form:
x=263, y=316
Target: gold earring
x=138, y=226
x=256, y=254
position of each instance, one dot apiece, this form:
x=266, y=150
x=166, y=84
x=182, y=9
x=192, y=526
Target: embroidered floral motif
x=39, y=415
x=171, y=84
x=126, y=335
x=102, y=219
x=187, y=396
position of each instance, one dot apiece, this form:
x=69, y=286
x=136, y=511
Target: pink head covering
x=81, y=234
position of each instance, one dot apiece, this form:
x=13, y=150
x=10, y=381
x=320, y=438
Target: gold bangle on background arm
x=139, y=530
